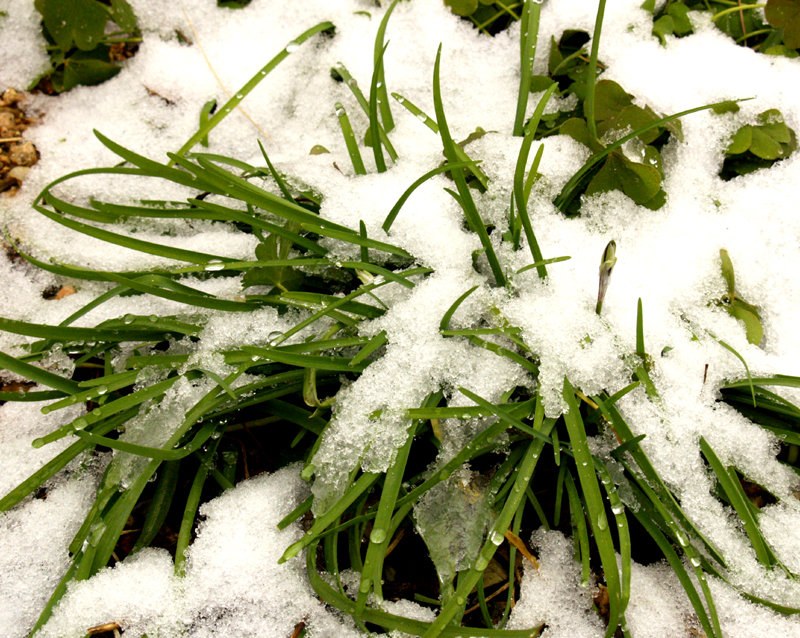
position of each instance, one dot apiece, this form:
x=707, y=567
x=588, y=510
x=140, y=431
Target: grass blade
x=519, y=175
x=250, y=85
x=529, y=35
x=470, y=211
x=594, y=505
x=350, y=140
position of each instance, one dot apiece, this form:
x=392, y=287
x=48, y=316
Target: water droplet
x=378, y=535
x=80, y=424
x=482, y=563
x=46, y=410
x=292, y=47
x=602, y=525
x=402, y=100
x=128, y=319
x=444, y=475
x=215, y=264
x=153, y=318
x=585, y=463
x=263, y=72
x=254, y=357
x=274, y=336
x=102, y=389
x=379, y=84
x=618, y=509
x=422, y=117
x=216, y=434
x=352, y=82
x=460, y=600
x=695, y=561
x=153, y=478
x=364, y=586
x=496, y=538
x=239, y=96
x=339, y=112
x=682, y=539
x=98, y=412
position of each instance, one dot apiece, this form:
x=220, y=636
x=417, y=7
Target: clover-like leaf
x=609, y=99
x=86, y=71
x=282, y=277
x=638, y=181
x=738, y=307
x=679, y=13
x=764, y=145
x=462, y=8
x=785, y=14
x=122, y=14
x=80, y=21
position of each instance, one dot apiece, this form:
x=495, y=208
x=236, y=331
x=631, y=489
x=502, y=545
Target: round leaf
x=80, y=21
x=462, y=8
x=764, y=146
x=741, y=140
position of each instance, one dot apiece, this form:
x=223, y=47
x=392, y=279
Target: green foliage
x=779, y=35
x=785, y=15
x=738, y=307
x=79, y=47
x=135, y=364
x=615, y=114
x=487, y=16
x=757, y=146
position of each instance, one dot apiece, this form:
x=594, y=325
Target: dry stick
x=219, y=81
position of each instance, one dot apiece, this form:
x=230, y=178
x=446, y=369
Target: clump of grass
x=279, y=381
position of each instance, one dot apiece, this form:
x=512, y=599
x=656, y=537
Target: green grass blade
x=646, y=516
x=594, y=505
x=519, y=175
x=391, y=622
x=192, y=504
x=353, y=238
x=374, y=124
x=376, y=342
x=351, y=83
x=623, y=532
x=729, y=483
x=38, y=375
x=321, y=523
x=673, y=512
x=428, y=121
x=544, y=262
x=197, y=299
x=124, y=241
x=350, y=139
x=529, y=35
x=505, y=417
x=159, y=507
x=580, y=531
x=380, y=48
x=444, y=324
x=468, y=580
x=470, y=211
x=387, y=223
x=591, y=77
x=68, y=333
x=251, y=84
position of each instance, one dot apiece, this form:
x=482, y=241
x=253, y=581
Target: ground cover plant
x=492, y=360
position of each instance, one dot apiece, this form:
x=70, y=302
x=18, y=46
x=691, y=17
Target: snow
x=669, y=258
